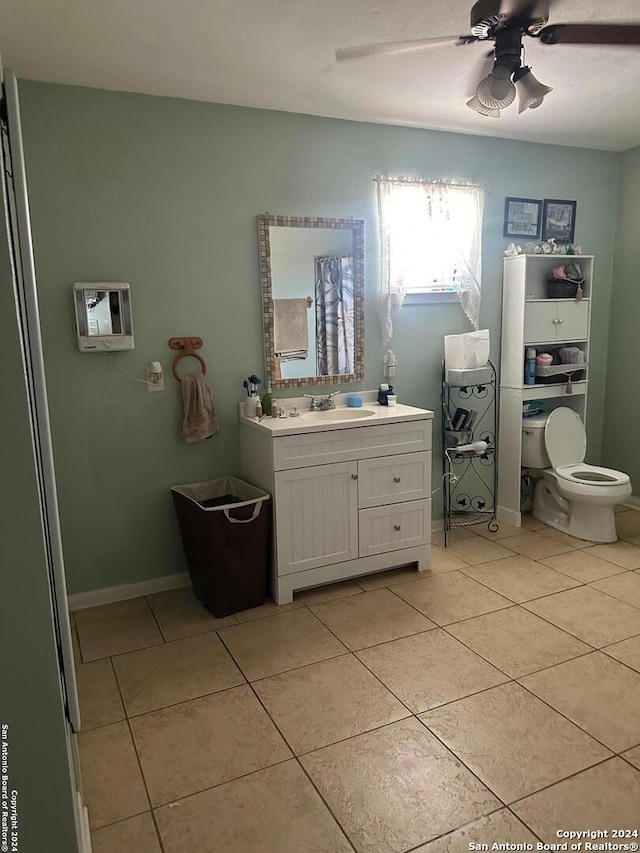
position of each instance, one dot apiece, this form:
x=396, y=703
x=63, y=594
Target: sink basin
x=342, y=414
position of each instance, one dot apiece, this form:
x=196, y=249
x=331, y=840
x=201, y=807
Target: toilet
x=571, y=496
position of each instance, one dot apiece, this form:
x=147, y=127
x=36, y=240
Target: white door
x=573, y=320
x=540, y=322
x=316, y=516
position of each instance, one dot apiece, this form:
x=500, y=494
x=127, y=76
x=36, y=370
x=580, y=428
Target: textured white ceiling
x=279, y=54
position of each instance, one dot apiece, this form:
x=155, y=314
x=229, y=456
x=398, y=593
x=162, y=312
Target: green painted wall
x=622, y=410
x=163, y=193
x=30, y=694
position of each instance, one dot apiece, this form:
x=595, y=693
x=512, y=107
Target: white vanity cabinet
x=348, y=498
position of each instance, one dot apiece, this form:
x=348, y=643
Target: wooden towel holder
x=188, y=347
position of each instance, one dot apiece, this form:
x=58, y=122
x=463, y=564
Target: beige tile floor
x=496, y=699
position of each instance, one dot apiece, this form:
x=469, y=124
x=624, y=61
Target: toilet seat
x=592, y=475
x=566, y=443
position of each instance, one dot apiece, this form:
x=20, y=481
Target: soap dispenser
x=266, y=401
x=253, y=404
x=383, y=394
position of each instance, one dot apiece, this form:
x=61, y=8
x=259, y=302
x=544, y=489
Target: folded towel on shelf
x=200, y=419
x=290, y=332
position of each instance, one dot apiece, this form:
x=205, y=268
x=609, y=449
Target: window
x=430, y=235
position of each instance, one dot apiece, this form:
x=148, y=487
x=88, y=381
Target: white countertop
x=372, y=413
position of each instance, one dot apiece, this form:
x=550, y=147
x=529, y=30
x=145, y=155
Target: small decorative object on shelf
x=512, y=250
x=547, y=247
x=469, y=454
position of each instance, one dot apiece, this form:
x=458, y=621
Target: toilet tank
x=534, y=454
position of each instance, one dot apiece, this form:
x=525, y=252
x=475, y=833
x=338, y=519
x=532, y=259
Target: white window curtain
x=430, y=242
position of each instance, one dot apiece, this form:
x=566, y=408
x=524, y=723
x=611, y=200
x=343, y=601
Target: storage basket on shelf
x=563, y=288
x=559, y=373
x=565, y=282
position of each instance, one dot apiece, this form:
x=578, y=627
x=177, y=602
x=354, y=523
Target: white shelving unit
x=529, y=319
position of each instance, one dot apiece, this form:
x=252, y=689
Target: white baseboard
x=110, y=594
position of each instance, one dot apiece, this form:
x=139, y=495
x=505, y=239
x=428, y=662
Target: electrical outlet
x=152, y=386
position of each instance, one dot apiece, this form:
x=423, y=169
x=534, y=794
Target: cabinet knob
x=555, y=320
x=354, y=476
x=397, y=479
x=397, y=527
x=560, y=320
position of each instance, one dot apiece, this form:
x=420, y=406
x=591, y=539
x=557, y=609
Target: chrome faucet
x=324, y=405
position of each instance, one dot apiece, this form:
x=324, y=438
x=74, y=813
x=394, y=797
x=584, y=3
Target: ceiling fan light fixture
x=531, y=92
x=497, y=91
x=476, y=104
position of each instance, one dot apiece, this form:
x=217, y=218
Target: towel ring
x=188, y=347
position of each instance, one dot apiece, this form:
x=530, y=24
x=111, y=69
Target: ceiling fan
x=506, y=23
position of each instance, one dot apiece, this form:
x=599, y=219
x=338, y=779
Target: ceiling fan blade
x=344, y=54
x=612, y=34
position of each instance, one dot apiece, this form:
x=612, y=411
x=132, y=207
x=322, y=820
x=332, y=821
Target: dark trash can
x=224, y=525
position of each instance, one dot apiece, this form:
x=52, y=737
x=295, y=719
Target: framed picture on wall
x=559, y=220
x=522, y=217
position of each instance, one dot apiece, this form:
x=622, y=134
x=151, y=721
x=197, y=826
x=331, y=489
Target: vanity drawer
x=394, y=479
x=353, y=443
x=389, y=528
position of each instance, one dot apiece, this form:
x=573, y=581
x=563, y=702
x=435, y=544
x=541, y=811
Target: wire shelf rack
x=470, y=477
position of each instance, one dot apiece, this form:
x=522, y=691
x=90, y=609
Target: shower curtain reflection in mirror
x=334, y=314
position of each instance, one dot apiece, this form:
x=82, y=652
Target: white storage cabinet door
x=540, y=322
x=573, y=320
x=316, y=516
x=556, y=320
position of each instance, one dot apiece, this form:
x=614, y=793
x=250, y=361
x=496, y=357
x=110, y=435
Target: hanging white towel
x=200, y=419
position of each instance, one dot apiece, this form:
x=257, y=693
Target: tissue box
x=470, y=376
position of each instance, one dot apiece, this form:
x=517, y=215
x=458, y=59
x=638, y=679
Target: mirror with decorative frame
x=312, y=280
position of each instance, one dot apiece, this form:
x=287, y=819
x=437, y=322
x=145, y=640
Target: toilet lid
x=565, y=438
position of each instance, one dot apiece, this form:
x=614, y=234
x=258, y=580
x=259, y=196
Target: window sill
x=430, y=298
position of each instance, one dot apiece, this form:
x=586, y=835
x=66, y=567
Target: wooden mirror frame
x=356, y=226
